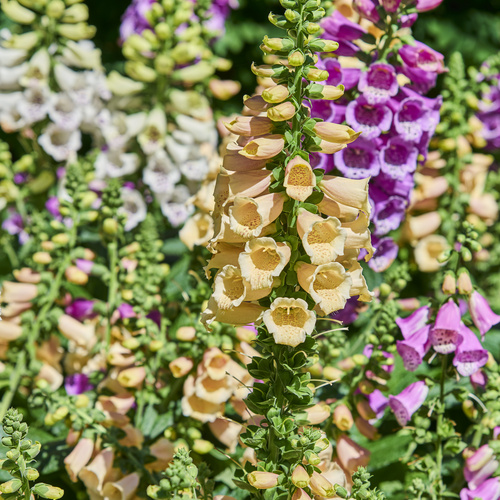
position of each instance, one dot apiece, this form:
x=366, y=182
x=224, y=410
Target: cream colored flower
x=419, y=226
x=234, y=161
x=428, y=250
x=358, y=234
x=289, y=321
x=299, y=179
x=323, y=239
x=197, y=231
x=197, y=408
x=248, y=216
x=263, y=148
x=250, y=125
x=244, y=314
x=123, y=489
x=263, y=260
x=249, y=184
x=359, y=286
x=328, y=284
x=227, y=254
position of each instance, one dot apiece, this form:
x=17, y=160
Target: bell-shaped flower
x=123, y=488
x=414, y=322
x=470, y=355
x=263, y=148
x=414, y=348
x=407, y=402
x=9, y=331
x=323, y=239
x=425, y=5
x=248, y=216
x=378, y=403
x=482, y=315
x=299, y=179
x=61, y=144
x=263, y=480
x=359, y=285
x=321, y=486
x=227, y=254
x=195, y=407
x=428, y=251
x=197, y=231
x=345, y=193
x=488, y=490
x=236, y=162
x=328, y=284
x=244, y=314
x=249, y=184
x=446, y=333
x=358, y=234
x=250, y=125
x=83, y=335
x=98, y=471
x=289, y=321
x=152, y=138
x=333, y=132
x=379, y=83
x=263, y=260
x=79, y=458
x=350, y=454
x=18, y=292
x=480, y=466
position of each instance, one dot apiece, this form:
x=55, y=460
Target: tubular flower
x=299, y=179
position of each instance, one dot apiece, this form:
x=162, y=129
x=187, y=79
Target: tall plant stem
x=439, y=425
x=113, y=287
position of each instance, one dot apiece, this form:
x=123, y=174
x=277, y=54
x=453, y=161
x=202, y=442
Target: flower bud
x=328, y=92
x=284, y=44
x=300, y=477
x=10, y=486
x=342, y=417
x=76, y=14
x=139, y=71
x=42, y=258
x=469, y=409
x=224, y=89
x=17, y=12
x=76, y=32
x=292, y=15
x=263, y=480
x=55, y=9
x=300, y=494
x=181, y=366
x=110, y=226
x=276, y=94
x=202, y=446
x=464, y=283
x=321, y=486
x=296, y=58
x=449, y=286
x=282, y=112
x=32, y=474
x=75, y=275
x=26, y=41
x=316, y=75
x=60, y=239
x=132, y=377
x=320, y=45
x=313, y=28
x=186, y=333
x=47, y=491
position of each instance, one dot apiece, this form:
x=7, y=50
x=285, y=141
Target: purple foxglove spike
x=52, y=206
x=320, y=160
x=368, y=9
x=386, y=251
x=413, y=349
x=407, y=402
x=422, y=81
x=350, y=77
x=358, y=160
x=425, y=5
x=77, y=384
x=398, y=158
x=371, y=119
x=446, y=333
x=414, y=322
x=341, y=28
x=489, y=490
x=379, y=83
x=482, y=315
x=80, y=309
x=413, y=119
x=84, y=265
x=390, y=5
x=470, y=354
x=321, y=108
x=422, y=57
x=126, y=311
x=388, y=215
x=394, y=187
x=378, y=402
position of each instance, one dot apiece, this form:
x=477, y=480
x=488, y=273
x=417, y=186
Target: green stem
x=113, y=287
x=439, y=425
x=15, y=379
x=387, y=42
x=11, y=254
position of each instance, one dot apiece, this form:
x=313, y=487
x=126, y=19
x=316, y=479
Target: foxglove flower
x=358, y=160
x=134, y=207
x=488, y=490
x=386, y=251
x=80, y=309
x=470, y=355
x=482, y=315
x=446, y=334
x=370, y=119
x=480, y=466
x=77, y=384
x=413, y=349
x=414, y=322
x=398, y=158
x=379, y=83
x=407, y=402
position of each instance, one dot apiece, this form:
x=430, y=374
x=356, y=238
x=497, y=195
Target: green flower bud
x=279, y=21
x=26, y=41
x=155, y=345
x=313, y=28
x=78, y=31
x=76, y=14
x=168, y=5
x=193, y=433
x=13, y=454
x=284, y=44
x=296, y=58
x=320, y=45
x=110, y=226
x=10, y=486
x=292, y=15
x=312, y=5
x=137, y=43
x=17, y=12
x=163, y=31
x=288, y=4
x=34, y=450
x=139, y=71
x=48, y=491
x=32, y=474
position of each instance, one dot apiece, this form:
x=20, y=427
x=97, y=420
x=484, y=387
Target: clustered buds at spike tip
x=319, y=222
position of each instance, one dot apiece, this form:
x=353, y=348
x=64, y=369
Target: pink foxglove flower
x=446, y=333
x=482, y=315
x=480, y=466
x=489, y=490
x=407, y=402
x=469, y=355
x=414, y=348
x=414, y=322
x=425, y=5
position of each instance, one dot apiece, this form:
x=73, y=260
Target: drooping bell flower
x=414, y=348
x=379, y=83
x=378, y=402
x=413, y=118
x=341, y=28
x=407, y=402
x=480, y=466
x=446, y=334
x=482, y=315
x=77, y=383
x=368, y=9
x=470, y=354
x=398, y=158
x=371, y=119
x=425, y=5
x=358, y=160
x=489, y=490
x=414, y=322
x=386, y=251
x=80, y=309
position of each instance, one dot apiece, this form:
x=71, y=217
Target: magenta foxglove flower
x=425, y=5
x=126, y=311
x=422, y=57
x=446, y=333
x=408, y=20
x=52, y=205
x=386, y=251
x=480, y=466
x=482, y=315
x=348, y=77
x=412, y=119
x=413, y=349
x=371, y=119
x=84, y=265
x=378, y=402
x=379, y=83
x=398, y=158
x=80, y=309
x=414, y=322
x=479, y=380
x=341, y=28
x=390, y=5
x=388, y=215
x=358, y=160
x=77, y=384
x=470, y=354
x=368, y=9
x=489, y=490
x=407, y=402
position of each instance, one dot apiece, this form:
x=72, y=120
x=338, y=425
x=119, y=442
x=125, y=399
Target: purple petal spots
x=388, y=215
x=413, y=349
x=398, y=158
x=379, y=83
x=412, y=119
x=358, y=160
x=386, y=251
x=446, y=334
x=371, y=119
x=469, y=355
